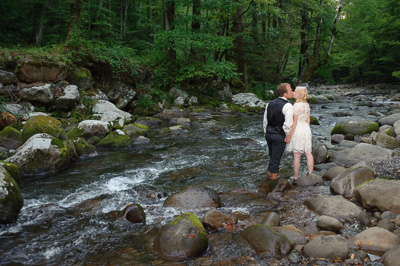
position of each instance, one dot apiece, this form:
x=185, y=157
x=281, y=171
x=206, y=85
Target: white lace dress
x=302, y=138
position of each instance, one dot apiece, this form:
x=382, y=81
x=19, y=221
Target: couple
x=287, y=123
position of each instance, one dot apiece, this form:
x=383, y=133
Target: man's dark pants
x=276, y=148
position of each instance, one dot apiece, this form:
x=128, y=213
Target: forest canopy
x=258, y=42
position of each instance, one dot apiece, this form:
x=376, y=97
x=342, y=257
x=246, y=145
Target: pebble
x=388, y=168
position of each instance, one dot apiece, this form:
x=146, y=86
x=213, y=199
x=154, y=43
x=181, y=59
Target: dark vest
x=275, y=116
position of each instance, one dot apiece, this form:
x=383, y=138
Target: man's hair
x=282, y=88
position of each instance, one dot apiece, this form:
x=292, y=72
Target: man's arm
x=265, y=122
x=288, y=112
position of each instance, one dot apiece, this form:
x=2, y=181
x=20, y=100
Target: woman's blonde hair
x=302, y=91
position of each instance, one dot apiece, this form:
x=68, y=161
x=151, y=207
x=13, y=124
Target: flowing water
x=66, y=218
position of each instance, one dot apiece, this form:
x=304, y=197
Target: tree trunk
x=303, y=43
x=196, y=13
x=39, y=25
x=169, y=16
x=75, y=17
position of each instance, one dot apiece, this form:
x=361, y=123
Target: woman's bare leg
x=296, y=165
x=310, y=162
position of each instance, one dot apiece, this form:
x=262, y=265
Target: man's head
x=284, y=90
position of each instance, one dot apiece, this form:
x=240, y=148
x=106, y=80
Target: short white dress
x=302, y=138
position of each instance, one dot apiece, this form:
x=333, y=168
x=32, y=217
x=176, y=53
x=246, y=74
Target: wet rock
x=115, y=140
x=333, y=206
x=389, y=120
x=320, y=153
x=375, y=240
x=180, y=121
x=133, y=213
x=193, y=198
x=330, y=247
x=214, y=219
x=272, y=219
x=333, y=172
x=295, y=238
x=43, y=94
x=361, y=152
x=10, y=138
x=41, y=124
x=381, y=194
x=364, y=218
x=141, y=140
x=310, y=180
x=84, y=149
x=148, y=121
x=244, y=198
x=136, y=130
x=329, y=223
x=386, y=224
x=265, y=241
x=355, y=127
x=10, y=197
x=277, y=185
x=41, y=153
x=345, y=183
x=184, y=237
x=391, y=257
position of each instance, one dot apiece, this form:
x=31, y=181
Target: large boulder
x=43, y=94
x=375, y=240
x=183, y=238
x=115, y=140
x=11, y=200
x=329, y=247
x=89, y=128
x=389, y=120
x=10, y=138
x=266, y=241
x=333, y=206
x=248, y=99
x=41, y=124
x=355, y=127
x=41, y=153
x=193, y=198
x=379, y=193
x=332, y=172
x=310, y=180
x=345, y=183
x=361, y=152
x=136, y=130
x=385, y=140
x=84, y=149
x=70, y=97
x=103, y=106
x=41, y=71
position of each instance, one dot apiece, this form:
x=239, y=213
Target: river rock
x=375, y=240
x=384, y=140
x=81, y=77
x=265, y=241
x=70, y=97
x=248, y=99
x=295, y=238
x=41, y=124
x=89, y=128
x=360, y=152
x=136, y=130
x=345, y=183
x=116, y=120
x=21, y=109
x=10, y=138
x=396, y=127
x=347, y=143
x=329, y=224
x=133, y=213
x=115, y=140
x=310, y=180
x=32, y=71
x=329, y=247
x=214, y=219
x=103, y=106
x=11, y=200
x=8, y=78
x=43, y=94
x=386, y=224
x=193, y=198
x=389, y=120
x=149, y=121
x=333, y=206
x=355, y=127
x=272, y=219
x=379, y=193
x=277, y=185
x=320, y=153
x=84, y=149
x=141, y=140
x=333, y=172
x=180, y=121
x=391, y=257
x=41, y=153
x=184, y=237
x=121, y=94
x=337, y=138
x=242, y=198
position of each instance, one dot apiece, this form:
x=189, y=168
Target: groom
x=278, y=120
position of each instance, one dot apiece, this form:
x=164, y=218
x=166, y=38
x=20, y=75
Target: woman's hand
x=288, y=138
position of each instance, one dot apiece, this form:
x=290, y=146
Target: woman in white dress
x=299, y=138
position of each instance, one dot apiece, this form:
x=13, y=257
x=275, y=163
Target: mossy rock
x=13, y=170
x=355, y=127
x=146, y=111
x=136, y=130
x=11, y=200
x=84, y=148
x=41, y=124
x=314, y=120
x=75, y=133
x=10, y=138
x=114, y=140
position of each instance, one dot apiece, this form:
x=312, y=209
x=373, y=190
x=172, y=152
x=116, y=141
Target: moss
x=312, y=100
x=372, y=127
x=61, y=145
x=12, y=202
x=13, y=170
x=391, y=132
x=41, y=124
x=115, y=140
x=338, y=129
x=75, y=133
x=195, y=222
x=82, y=147
x=10, y=133
x=314, y=120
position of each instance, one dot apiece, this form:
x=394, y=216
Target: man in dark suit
x=278, y=120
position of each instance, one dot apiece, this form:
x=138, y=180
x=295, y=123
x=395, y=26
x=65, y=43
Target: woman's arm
x=308, y=119
x=289, y=137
